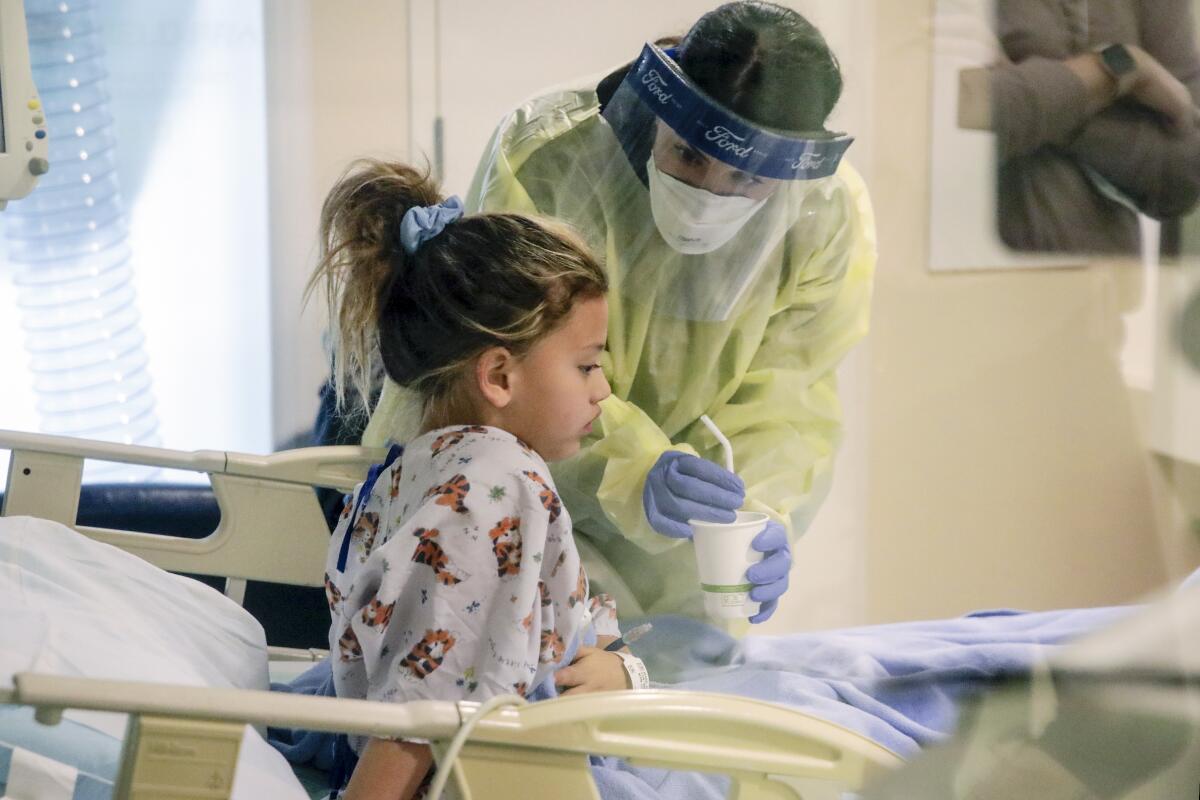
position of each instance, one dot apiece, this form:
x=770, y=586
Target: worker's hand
x=770, y=576
x=680, y=487
x=593, y=670
x=1157, y=89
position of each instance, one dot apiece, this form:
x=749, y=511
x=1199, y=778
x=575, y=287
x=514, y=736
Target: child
x=453, y=573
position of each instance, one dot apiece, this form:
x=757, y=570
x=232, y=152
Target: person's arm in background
x=1168, y=34
x=1069, y=104
x=1149, y=145
x=1145, y=142
x=1043, y=101
x=1046, y=101
x=1157, y=170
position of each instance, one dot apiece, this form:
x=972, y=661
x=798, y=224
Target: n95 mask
x=692, y=220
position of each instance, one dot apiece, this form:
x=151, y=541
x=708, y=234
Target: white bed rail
x=253, y=493
x=538, y=750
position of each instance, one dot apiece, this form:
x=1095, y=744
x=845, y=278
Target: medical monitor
x=23, y=135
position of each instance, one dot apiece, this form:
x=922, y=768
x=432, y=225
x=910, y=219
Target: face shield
x=714, y=195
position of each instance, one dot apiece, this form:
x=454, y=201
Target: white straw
x=637, y=633
x=725, y=445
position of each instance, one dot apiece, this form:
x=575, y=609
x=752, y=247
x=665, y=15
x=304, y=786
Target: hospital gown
x=455, y=576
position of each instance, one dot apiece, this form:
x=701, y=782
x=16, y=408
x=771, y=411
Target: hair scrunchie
x=422, y=223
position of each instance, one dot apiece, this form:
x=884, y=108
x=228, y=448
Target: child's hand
x=593, y=670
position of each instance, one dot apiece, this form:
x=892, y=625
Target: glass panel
x=138, y=267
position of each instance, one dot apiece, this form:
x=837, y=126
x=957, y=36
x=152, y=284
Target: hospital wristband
x=636, y=670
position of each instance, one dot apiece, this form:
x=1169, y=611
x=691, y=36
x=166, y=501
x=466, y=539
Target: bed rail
x=538, y=750
x=253, y=492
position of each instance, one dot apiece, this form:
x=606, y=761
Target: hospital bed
x=183, y=741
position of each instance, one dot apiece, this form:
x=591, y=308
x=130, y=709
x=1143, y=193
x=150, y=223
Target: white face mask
x=694, y=220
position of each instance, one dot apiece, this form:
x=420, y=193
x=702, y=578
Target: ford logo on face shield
x=728, y=141
x=808, y=161
x=654, y=84
x=720, y=133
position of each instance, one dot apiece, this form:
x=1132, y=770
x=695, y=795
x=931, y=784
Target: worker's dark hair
x=763, y=61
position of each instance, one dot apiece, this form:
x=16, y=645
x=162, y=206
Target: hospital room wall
x=1008, y=464
x=338, y=77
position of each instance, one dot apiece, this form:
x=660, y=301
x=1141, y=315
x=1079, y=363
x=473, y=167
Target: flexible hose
x=460, y=739
x=68, y=244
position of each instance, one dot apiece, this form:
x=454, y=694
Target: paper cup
x=723, y=554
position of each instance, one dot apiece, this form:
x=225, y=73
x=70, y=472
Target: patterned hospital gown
x=457, y=577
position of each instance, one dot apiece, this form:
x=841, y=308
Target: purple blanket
x=847, y=676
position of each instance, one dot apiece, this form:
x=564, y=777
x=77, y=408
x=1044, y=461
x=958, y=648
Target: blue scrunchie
x=422, y=223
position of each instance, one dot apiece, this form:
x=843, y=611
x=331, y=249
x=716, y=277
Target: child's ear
x=494, y=376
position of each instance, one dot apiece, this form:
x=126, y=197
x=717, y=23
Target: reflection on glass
x=3, y=149
x=1093, y=107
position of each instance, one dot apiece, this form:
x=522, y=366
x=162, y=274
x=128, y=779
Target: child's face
x=560, y=384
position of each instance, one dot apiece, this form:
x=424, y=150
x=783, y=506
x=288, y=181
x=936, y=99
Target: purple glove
x=770, y=576
x=680, y=487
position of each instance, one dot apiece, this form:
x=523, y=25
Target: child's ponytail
x=361, y=258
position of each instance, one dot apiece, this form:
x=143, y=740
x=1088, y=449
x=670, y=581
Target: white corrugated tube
x=68, y=246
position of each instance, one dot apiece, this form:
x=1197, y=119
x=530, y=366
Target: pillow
x=74, y=606
x=170, y=629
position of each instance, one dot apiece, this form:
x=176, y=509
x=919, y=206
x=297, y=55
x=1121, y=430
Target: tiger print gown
x=456, y=577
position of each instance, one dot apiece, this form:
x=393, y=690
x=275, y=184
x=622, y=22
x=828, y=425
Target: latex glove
x=770, y=576
x=680, y=487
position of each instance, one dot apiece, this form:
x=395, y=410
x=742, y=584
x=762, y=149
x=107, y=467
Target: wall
x=337, y=77
x=1006, y=464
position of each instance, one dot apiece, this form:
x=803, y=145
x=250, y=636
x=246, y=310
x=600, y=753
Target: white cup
x=723, y=554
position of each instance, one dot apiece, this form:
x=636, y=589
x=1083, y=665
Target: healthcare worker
x=740, y=252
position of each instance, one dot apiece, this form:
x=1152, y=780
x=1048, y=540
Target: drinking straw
x=728, y=448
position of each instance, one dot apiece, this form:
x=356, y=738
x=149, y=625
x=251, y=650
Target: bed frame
x=182, y=742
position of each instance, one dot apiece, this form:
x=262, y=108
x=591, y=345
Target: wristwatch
x=1118, y=62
